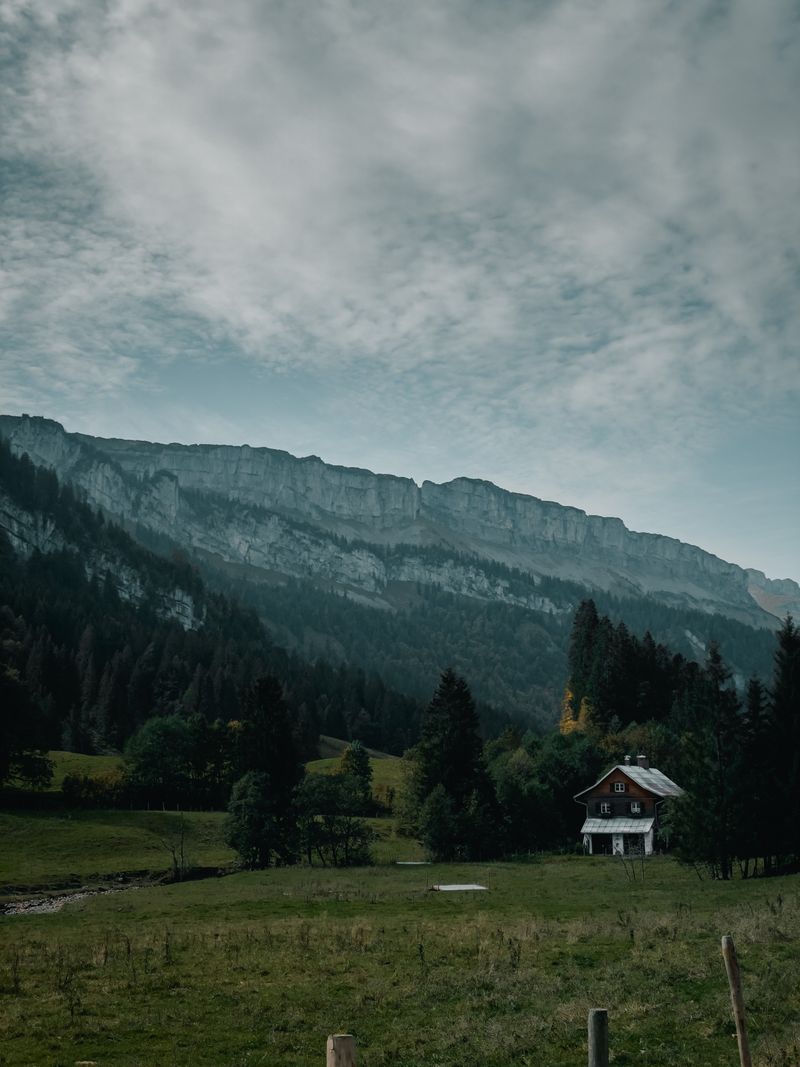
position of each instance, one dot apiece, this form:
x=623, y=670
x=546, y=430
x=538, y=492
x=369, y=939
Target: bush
x=261, y=832
x=109, y=789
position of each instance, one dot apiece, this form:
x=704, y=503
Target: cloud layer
x=554, y=244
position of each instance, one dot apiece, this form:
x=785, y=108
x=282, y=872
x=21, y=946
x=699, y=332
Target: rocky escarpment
x=266, y=509
x=30, y=532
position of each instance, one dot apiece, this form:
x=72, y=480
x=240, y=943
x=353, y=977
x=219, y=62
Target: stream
x=44, y=905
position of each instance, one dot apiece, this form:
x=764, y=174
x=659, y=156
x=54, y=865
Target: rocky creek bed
x=51, y=898
x=45, y=903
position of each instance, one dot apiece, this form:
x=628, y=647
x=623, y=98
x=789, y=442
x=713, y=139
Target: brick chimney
x=643, y=761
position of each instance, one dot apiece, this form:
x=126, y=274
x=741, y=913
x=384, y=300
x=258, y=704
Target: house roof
x=647, y=777
x=654, y=780
x=617, y=826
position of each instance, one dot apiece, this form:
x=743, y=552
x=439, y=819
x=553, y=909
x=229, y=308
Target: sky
x=555, y=245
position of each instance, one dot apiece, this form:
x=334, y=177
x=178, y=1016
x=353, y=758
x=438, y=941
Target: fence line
x=341, y=1048
x=341, y=1051
x=737, y=999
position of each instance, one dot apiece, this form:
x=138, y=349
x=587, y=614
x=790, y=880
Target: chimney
x=627, y=761
x=643, y=761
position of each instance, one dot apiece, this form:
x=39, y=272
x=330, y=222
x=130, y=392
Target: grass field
x=386, y=773
x=41, y=850
x=78, y=847
x=258, y=968
x=58, y=848
x=65, y=763
x=332, y=747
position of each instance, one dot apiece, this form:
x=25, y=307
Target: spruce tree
x=785, y=730
x=708, y=818
x=450, y=755
x=582, y=651
x=355, y=765
x=757, y=837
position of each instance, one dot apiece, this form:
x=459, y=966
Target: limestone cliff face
x=29, y=533
x=267, y=509
x=272, y=479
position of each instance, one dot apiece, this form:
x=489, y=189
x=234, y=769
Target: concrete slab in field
x=413, y=863
x=456, y=888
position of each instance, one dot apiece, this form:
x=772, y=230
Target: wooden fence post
x=598, y=1037
x=341, y=1051
x=737, y=1000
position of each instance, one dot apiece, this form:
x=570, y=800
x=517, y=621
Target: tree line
x=85, y=661
x=736, y=753
x=516, y=659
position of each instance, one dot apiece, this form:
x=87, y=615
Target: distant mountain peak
x=178, y=490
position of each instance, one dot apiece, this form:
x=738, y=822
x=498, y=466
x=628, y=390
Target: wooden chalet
x=623, y=809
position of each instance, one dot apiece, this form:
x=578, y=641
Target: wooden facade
x=624, y=809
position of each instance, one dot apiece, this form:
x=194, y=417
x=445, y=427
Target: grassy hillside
x=332, y=747
x=386, y=773
x=41, y=849
x=258, y=968
x=65, y=763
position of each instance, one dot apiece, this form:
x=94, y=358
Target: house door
x=601, y=844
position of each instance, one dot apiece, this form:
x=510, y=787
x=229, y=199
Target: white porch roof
x=617, y=826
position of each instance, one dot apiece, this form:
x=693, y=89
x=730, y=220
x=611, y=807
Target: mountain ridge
x=376, y=573
x=152, y=483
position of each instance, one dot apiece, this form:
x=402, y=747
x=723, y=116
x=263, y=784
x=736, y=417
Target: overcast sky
x=555, y=245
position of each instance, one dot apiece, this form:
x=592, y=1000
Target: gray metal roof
x=617, y=826
x=647, y=777
x=655, y=781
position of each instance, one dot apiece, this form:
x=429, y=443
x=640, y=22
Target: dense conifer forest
x=516, y=659
x=90, y=660
x=736, y=755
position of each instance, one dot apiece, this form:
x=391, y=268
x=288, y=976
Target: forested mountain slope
x=101, y=633
x=376, y=572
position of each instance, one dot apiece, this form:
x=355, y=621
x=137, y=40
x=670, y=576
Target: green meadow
x=64, y=848
x=256, y=968
x=59, y=848
x=65, y=763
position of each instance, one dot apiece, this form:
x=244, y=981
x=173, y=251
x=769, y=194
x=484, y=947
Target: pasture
x=257, y=968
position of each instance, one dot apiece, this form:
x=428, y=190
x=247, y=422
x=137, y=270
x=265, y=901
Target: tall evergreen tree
x=757, y=835
x=581, y=654
x=267, y=741
x=355, y=765
x=22, y=754
x=708, y=817
x=784, y=714
x=450, y=755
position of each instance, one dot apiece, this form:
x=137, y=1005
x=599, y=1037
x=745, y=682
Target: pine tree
x=757, y=836
x=582, y=650
x=709, y=816
x=267, y=742
x=355, y=765
x=450, y=755
x=785, y=728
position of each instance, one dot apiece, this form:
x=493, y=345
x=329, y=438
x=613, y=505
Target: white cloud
x=558, y=231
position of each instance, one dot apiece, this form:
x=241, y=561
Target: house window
x=605, y=807
x=636, y=807
x=619, y=787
